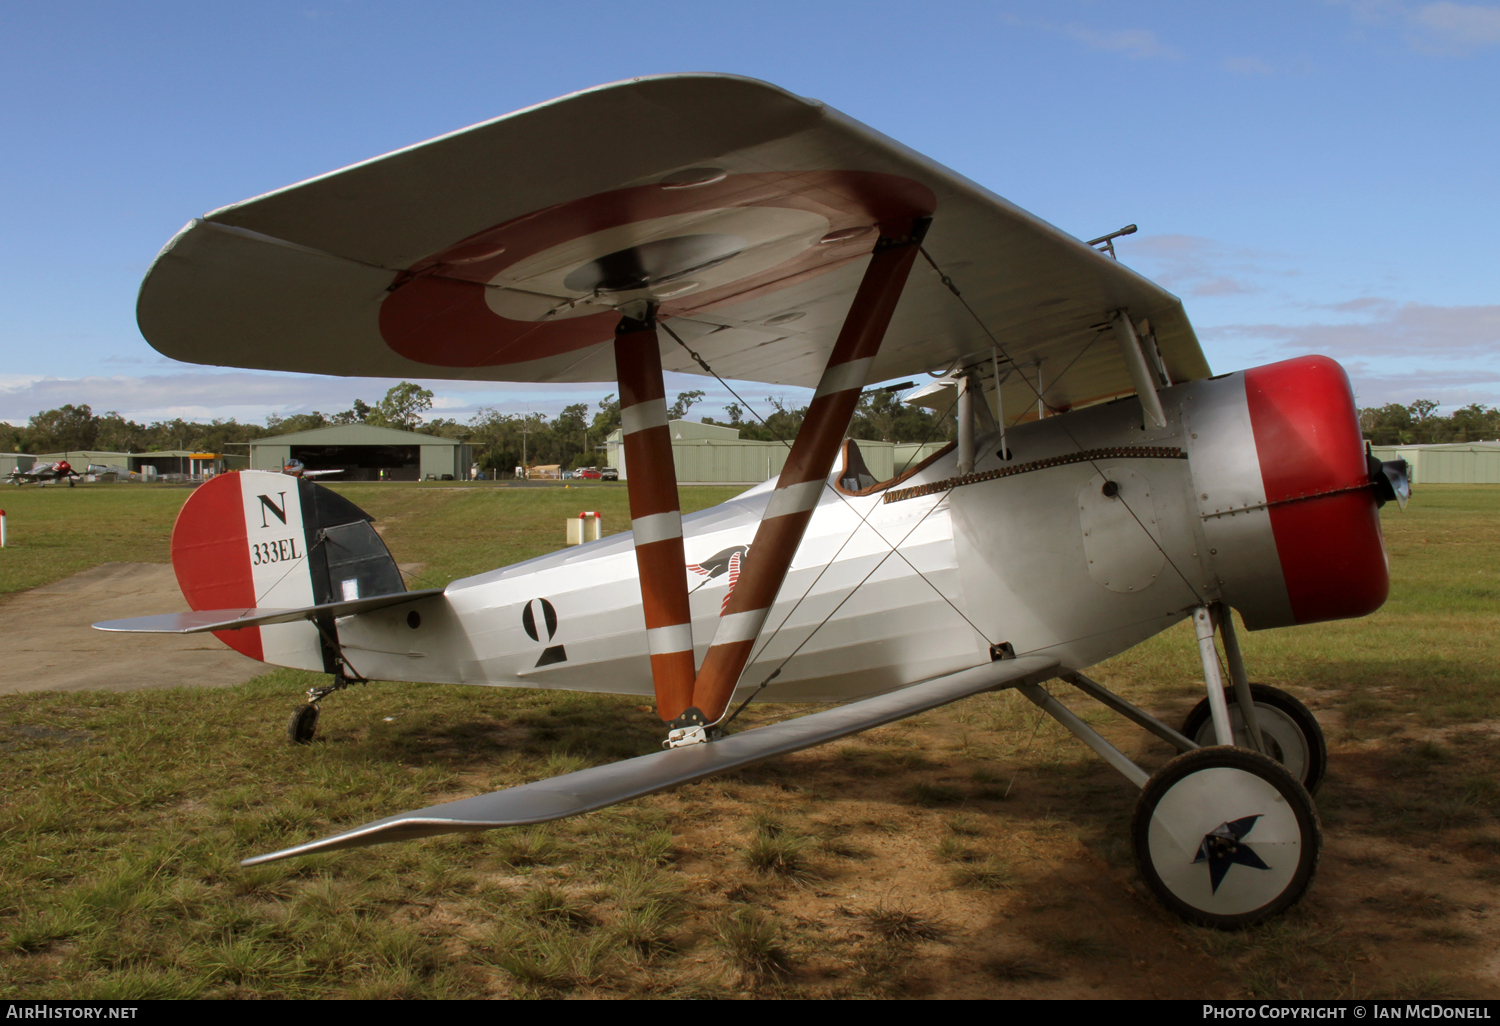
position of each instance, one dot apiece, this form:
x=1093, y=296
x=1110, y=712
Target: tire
x=1226, y=837
x=303, y=724
x=1294, y=737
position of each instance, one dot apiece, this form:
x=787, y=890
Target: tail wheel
x=1292, y=733
x=1226, y=837
x=303, y=724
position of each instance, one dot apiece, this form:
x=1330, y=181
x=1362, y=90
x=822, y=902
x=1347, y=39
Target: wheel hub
x=1221, y=848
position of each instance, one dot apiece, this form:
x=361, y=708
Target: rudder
x=256, y=539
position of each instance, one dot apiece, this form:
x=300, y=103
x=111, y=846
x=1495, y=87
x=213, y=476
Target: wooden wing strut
x=655, y=513
x=807, y=466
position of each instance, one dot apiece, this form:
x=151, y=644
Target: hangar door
x=363, y=462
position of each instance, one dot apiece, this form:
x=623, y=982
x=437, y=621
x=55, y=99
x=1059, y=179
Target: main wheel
x=1292, y=732
x=1226, y=837
x=303, y=724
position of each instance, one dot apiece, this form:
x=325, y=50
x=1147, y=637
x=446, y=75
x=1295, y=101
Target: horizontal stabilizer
x=203, y=620
x=601, y=786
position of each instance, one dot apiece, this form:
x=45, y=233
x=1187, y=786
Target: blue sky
x=1308, y=176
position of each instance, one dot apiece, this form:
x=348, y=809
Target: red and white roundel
x=549, y=282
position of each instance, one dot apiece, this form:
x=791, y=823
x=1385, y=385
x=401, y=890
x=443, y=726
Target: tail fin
x=256, y=539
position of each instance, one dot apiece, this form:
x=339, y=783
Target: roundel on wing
x=548, y=283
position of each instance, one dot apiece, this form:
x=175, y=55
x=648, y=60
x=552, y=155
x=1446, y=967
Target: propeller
x=1392, y=480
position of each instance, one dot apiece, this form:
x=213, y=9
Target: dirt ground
x=1388, y=916
x=999, y=843
x=49, y=645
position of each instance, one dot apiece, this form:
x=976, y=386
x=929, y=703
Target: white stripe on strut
x=797, y=498
x=740, y=626
x=657, y=527
x=649, y=414
x=669, y=640
x=843, y=377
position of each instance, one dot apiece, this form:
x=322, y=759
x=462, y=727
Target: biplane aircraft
x=1104, y=484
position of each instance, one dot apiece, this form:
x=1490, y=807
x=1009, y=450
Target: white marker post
x=2, y=528
x=585, y=529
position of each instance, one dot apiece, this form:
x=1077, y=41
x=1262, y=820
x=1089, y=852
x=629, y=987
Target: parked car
x=609, y=474
x=588, y=473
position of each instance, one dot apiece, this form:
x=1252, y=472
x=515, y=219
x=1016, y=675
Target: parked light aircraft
x=60, y=470
x=41, y=473
x=1104, y=485
x=296, y=468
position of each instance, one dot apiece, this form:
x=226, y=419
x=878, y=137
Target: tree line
x=576, y=436
x=1394, y=424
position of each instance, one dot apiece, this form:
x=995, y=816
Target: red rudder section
x=210, y=555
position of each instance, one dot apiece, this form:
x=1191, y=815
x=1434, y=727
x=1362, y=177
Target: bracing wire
x=893, y=551
x=998, y=348
x=863, y=521
x=948, y=282
x=863, y=517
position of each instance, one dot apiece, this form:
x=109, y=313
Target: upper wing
x=499, y=252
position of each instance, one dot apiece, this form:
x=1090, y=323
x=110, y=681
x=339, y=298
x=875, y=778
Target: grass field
x=974, y=851
x=452, y=530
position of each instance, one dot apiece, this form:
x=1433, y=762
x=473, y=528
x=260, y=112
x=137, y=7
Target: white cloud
x=1136, y=43
x=1440, y=28
x=1194, y=266
x=252, y=396
x=1449, y=27
x=1414, y=331
x=1449, y=389
x=1248, y=66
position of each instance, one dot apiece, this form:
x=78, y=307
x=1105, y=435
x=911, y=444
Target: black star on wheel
x=1225, y=846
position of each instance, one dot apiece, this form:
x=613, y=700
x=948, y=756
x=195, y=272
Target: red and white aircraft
x=42, y=473
x=1103, y=487
x=296, y=468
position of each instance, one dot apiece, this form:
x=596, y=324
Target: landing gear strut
x=1288, y=729
x=303, y=725
x=1226, y=834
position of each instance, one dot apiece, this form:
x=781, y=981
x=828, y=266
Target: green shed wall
x=1459, y=464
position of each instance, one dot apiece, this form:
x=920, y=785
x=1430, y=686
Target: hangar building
x=366, y=453
x=1450, y=463
x=175, y=463
x=15, y=461
x=715, y=454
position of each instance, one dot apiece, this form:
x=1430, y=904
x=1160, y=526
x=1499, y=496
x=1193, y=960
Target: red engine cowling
x=1285, y=493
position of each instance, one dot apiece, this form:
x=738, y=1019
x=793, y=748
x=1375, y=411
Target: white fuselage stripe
x=657, y=527
x=843, y=377
x=642, y=416
x=667, y=640
x=797, y=498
